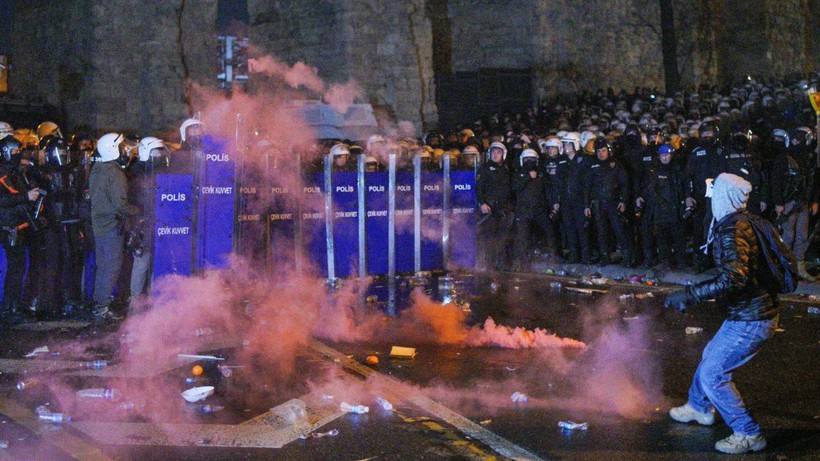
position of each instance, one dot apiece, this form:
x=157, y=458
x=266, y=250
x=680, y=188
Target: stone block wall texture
x=127, y=64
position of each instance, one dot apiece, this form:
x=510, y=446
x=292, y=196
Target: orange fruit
x=372, y=360
x=197, y=370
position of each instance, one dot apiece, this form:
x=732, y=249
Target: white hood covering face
x=729, y=194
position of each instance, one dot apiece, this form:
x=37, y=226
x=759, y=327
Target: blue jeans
x=735, y=343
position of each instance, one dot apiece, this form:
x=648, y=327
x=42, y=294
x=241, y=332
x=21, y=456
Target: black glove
x=677, y=300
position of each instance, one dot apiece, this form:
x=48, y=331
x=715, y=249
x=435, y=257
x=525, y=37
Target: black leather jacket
x=737, y=283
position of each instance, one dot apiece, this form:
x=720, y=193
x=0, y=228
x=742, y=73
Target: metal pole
x=239, y=176
x=417, y=213
x=446, y=211
x=391, y=236
x=362, y=214
x=298, y=236
x=331, y=262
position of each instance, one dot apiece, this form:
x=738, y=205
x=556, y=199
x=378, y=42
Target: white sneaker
x=686, y=413
x=738, y=443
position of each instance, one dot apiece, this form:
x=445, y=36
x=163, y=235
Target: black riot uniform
x=15, y=220
x=704, y=163
x=662, y=220
x=60, y=242
x=555, y=236
x=573, y=198
x=530, y=186
x=493, y=189
x=609, y=188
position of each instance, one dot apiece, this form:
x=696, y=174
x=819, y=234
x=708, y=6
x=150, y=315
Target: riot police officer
x=531, y=187
x=109, y=206
x=15, y=215
x=703, y=165
x=793, y=193
x=662, y=220
x=572, y=198
x=609, y=187
x=494, y=197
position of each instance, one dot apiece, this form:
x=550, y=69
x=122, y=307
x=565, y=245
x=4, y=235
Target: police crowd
x=596, y=178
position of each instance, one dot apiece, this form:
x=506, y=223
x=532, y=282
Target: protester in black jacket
x=752, y=313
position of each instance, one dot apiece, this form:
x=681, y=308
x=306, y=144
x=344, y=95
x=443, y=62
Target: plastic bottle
x=96, y=364
x=519, y=397
x=27, y=383
x=570, y=426
x=203, y=331
x=292, y=412
x=48, y=417
x=813, y=310
x=98, y=393
x=384, y=403
x=208, y=409
x=556, y=285
x=359, y=409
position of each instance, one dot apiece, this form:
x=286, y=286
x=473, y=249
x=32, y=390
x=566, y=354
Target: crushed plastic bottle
x=813, y=310
x=519, y=397
x=571, y=426
x=96, y=364
x=627, y=296
x=384, y=403
x=208, y=409
x=206, y=331
x=358, y=409
x=98, y=393
x=693, y=330
x=48, y=417
x=27, y=383
x=556, y=286
x=293, y=412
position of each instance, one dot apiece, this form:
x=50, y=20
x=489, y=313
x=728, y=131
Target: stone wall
x=114, y=65
x=127, y=64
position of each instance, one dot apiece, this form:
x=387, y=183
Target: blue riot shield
x=376, y=222
x=462, y=219
x=252, y=215
x=215, y=213
x=404, y=222
x=173, y=233
x=314, y=234
x=345, y=223
x=282, y=216
x=432, y=209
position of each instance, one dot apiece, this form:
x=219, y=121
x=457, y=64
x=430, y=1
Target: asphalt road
x=452, y=401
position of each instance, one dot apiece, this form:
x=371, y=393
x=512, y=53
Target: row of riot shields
x=356, y=223
x=336, y=224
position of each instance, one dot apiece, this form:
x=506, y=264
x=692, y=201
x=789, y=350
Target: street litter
x=634, y=317
x=360, y=409
x=316, y=435
x=626, y=296
x=571, y=426
x=38, y=351
x=27, y=383
x=199, y=357
x=519, y=397
x=195, y=394
x=599, y=280
x=693, y=330
x=403, y=352
x=813, y=310
x=48, y=417
x=384, y=403
x=293, y=412
x=587, y=291
x=644, y=295
x=372, y=360
x=485, y=422
x=208, y=409
x=4, y=444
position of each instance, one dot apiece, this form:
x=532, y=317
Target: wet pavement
x=452, y=401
